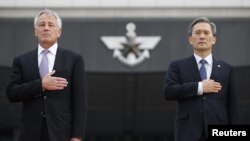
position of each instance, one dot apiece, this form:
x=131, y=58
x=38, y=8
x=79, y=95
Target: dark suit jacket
x=195, y=111
x=65, y=109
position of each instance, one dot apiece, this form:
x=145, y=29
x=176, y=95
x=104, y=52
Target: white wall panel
x=229, y=3
x=198, y=3
x=246, y=3
x=29, y=3
x=58, y=3
x=127, y=8
x=170, y=3
x=85, y=3
x=114, y=3
x=4, y=3
x=141, y=3
x=125, y=3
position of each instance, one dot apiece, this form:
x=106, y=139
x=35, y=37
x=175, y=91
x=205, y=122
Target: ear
x=59, y=33
x=190, y=39
x=214, y=40
x=35, y=32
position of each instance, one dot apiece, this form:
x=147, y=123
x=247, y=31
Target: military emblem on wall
x=131, y=49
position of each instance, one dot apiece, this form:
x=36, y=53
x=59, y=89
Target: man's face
x=202, y=38
x=47, y=30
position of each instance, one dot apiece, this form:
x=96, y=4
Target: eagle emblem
x=131, y=49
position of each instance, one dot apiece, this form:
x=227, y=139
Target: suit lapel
x=59, y=59
x=193, y=67
x=33, y=62
x=215, y=69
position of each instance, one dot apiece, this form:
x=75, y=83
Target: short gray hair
x=202, y=20
x=50, y=13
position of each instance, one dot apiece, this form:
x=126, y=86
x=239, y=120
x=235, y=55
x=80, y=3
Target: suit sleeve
x=18, y=90
x=79, y=98
x=174, y=89
x=233, y=107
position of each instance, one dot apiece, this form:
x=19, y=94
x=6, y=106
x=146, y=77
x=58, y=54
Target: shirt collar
x=209, y=58
x=51, y=49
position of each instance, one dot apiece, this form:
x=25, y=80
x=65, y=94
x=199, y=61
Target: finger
x=217, y=83
x=218, y=86
x=59, y=88
x=211, y=80
x=60, y=79
x=56, y=88
x=216, y=89
x=62, y=85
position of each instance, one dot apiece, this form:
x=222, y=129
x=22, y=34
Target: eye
x=51, y=24
x=197, y=32
x=206, y=32
x=41, y=24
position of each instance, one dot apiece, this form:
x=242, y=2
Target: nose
x=46, y=27
x=202, y=36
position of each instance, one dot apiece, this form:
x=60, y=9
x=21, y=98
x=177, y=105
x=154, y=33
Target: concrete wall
x=124, y=3
x=127, y=8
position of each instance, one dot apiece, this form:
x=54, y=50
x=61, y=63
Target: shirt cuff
x=200, y=89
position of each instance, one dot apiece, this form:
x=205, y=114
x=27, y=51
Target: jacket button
x=43, y=114
x=44, y=97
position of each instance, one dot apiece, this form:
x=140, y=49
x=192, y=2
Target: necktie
x=203, y=71
x=44, y=65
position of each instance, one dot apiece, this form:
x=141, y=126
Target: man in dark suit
x=54, y=102
x=205, y=90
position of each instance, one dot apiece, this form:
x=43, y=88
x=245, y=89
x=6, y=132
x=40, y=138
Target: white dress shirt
x=51, y=55
x=208, y=67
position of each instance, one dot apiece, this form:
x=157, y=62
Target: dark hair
x=201, y=20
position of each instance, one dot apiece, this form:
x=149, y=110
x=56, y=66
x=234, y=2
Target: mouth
x=45, y=35
x=202, y=43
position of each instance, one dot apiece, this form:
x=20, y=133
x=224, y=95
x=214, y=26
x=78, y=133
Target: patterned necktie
x=44, y=65
x=203, y=71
